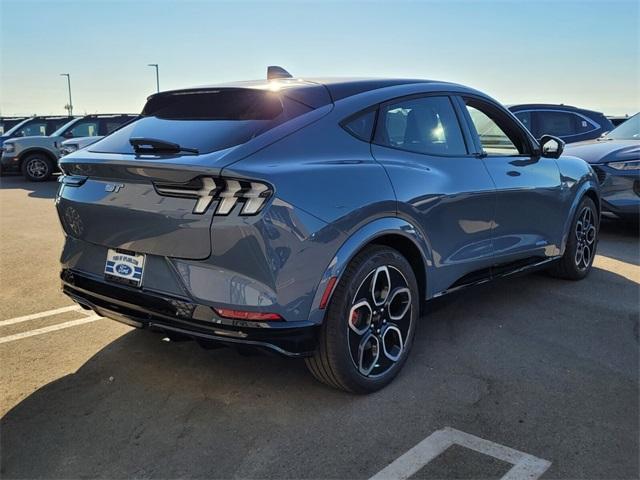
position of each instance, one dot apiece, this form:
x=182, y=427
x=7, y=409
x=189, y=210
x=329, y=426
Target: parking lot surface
x=545, y=367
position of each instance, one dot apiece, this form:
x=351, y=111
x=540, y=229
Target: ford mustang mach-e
x=314, y=217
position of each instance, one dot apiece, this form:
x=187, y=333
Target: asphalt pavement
x=546, y=367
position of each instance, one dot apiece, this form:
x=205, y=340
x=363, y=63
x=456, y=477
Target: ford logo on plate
x=123, y=269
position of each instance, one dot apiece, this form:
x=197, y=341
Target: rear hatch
x=139, y=188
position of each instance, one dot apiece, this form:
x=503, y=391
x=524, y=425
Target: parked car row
x=35, y=155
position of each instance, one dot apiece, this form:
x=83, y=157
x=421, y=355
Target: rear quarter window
x=361, y=125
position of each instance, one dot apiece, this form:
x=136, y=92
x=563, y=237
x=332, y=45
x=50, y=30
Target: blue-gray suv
x=315, y=217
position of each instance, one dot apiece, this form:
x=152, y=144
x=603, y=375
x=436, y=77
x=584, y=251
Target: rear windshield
x=205, y=120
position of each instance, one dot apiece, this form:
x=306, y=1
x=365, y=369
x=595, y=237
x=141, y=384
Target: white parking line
x=525, y=466
x=51, y=328
x=34, y=316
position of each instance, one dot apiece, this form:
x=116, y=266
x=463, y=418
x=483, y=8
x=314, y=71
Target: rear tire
x=37, y=167
x=580, y=251
x=370, y=323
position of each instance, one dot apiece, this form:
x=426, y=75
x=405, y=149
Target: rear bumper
x=148, y=309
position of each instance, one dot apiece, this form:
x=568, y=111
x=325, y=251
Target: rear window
x=205, y=120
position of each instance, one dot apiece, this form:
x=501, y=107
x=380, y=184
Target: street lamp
x=157, y=75
x=69, y=107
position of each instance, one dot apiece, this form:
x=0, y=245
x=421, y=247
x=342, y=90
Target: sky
x=584, y=53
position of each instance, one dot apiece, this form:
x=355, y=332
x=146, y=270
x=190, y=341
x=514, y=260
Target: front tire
x=580, y=251
x=370, y=323
x=37, y=167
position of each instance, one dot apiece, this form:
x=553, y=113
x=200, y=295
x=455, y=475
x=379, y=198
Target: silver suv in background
x=36, y=156
x=32, y=126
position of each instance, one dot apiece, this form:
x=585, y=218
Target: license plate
x=124, y=267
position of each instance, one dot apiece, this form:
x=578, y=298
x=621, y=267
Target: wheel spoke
x=392, y=344
x=380, y=286
x=368, y=354
x=590, y=235
x=578, y=258
x=360, y=317
x=399, y=303
x=586, y=255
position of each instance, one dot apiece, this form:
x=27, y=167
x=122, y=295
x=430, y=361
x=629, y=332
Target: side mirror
x=550, y=146
x=67, y=134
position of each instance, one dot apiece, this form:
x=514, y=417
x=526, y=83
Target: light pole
x=70, y=106
x=157, y=75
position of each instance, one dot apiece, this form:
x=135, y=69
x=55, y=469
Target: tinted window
x=556, y=123
x=53, y=125
x=224, y=104
x=34, y=128
x=110, y=124
x=497, y=132
x=206, y=120
x=525, y=119
x=362, y=125
x=424, y=125
x=83, y=129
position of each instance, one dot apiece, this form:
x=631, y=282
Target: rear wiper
x=153, y=145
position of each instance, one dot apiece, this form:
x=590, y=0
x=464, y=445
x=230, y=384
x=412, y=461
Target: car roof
x=554, y=106
x=337, y=87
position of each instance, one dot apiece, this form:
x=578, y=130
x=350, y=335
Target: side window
x=498, y=133
x=525, y=119
x=556, y=123
x=424, y=125
x=83, y=129
x=31, y=129
x=361, y=126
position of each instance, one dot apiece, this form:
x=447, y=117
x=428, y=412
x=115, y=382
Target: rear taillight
x=244, y=315
x=228, y=192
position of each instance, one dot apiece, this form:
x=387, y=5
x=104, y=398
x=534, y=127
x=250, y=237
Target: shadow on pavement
x=625, y=241
x=534, y=363
x=611, y=226
x=46, y=189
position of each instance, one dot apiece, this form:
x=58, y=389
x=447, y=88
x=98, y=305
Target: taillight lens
x=244, y=315
x=252, y=195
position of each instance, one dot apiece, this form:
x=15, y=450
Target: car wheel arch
x=393, y=232
x=587, y=189
x=591, y=193
x=31, y=151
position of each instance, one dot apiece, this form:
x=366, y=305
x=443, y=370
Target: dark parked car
x=36, y=156
x=571, y=124
x=314, y=217
x=616, y=160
